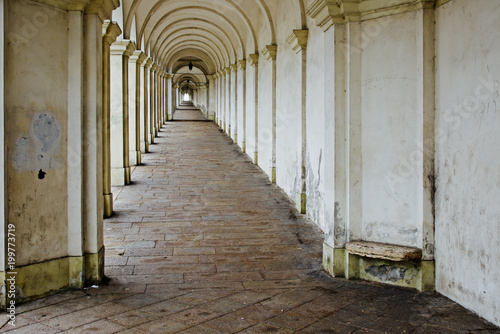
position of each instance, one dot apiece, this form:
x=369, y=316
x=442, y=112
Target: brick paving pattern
x=202, y=242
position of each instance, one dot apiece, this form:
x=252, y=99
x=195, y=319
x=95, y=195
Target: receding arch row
x=200, y=45
x=185, y=24
x=182, y=39
x=194, y=52
x=232, y=6
x=210, y=11
x=213, y=39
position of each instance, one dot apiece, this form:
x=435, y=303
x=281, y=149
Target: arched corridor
x=202, y=242
x=270, y=147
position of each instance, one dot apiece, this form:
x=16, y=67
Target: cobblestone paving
x=202, y=242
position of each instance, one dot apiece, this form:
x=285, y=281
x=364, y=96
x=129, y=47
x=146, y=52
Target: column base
x=170, y=117
x=151, y=138
x=300, y=202
x=108, y=205
x=138, y=157
x=146, y=147
x=49, y=277
x=256, y=158
x=211, y=118
x=127, y=175
x=273, y=174
x=236, y=138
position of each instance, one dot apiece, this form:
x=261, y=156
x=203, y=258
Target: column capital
x=155, y=67
x=254, y=59
x=103, y=8
x=169, y=76
x=138, y=57
x=234, y=67
x=326, y=13
x=243, y=64
x=148, y=62
x=123, y=47
x=227, y=70
x=210, y=77
x=298, y=40
x=270, y=52
x=110, y=31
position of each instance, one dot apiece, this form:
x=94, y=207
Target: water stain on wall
x=46, y=130
x=39, y=149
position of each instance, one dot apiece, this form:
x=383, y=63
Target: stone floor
x=202, y=242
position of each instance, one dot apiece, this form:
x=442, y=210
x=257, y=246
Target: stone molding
x=138, y=57
x=298, y=40
x=330, y=12
x=110, y=31
x=123, y=47
x=102, y=8
x=148, y=62
x=243, y=64
x=254, y=59
x=270, y=52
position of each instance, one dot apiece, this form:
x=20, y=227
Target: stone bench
x=383, y=251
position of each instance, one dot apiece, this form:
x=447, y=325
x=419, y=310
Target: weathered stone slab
x=383, y=251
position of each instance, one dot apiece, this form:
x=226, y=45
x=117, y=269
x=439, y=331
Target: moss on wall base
x=46, y=278
x=415, y=274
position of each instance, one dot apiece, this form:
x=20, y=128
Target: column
x=168, y=90
x=243, y=65
x=110, y=32
x=152, y=102
x=228, y=100
x=92, y=148
x=254, y=62
x=146, y=68
x=119, y=122
x=298, y=41
x=271, y=52
x=234, y=69
x=135, y=65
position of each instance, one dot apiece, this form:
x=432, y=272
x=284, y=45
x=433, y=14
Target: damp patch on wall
x=38, y=149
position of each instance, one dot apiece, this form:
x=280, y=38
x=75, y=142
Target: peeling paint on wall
x=20, y=153
x=386, y=232
x=386, y=273
x=46, y=130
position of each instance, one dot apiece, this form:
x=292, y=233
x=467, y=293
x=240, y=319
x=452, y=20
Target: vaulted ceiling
x=210, y=34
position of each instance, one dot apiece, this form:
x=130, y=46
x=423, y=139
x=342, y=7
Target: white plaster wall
x=36, y=61
x=265, y=115
x=389, y=128
x=315, y=163
x=328, y=100
x=240, y=106
x=250, y=111
x=468, y=155
x=288, y=105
